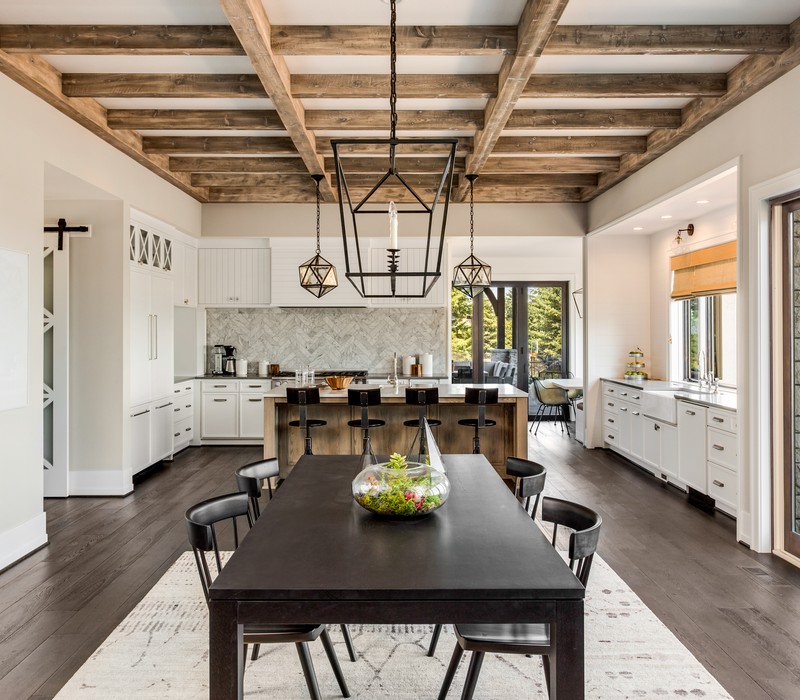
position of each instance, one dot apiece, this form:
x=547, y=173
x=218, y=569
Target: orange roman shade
x=702, y=272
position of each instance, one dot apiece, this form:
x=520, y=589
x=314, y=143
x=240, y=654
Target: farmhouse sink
x=661, y=405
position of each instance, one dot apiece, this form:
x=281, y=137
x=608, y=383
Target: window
x=704, y=338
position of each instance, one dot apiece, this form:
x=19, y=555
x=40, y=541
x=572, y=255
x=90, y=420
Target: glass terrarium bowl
x=412, y=491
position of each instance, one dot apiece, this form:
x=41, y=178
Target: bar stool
x=481, y=398
x=422, y=397
x=364, y=397
x=303, y=397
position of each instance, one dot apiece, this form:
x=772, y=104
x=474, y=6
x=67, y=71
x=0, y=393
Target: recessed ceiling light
x=701, y=201
x=638, y=228
x=666, y=216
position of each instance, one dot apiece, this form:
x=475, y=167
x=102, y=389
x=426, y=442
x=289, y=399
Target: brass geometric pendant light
x=317, y=275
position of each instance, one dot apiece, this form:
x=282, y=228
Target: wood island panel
x=508, y=438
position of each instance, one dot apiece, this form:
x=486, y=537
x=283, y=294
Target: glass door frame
x=519, y=320
x=791, y=537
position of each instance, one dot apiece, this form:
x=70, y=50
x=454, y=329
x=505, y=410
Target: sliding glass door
x=790, y=296
x=511, y=332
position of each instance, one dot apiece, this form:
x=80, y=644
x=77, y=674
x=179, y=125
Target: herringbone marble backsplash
x=330, y=338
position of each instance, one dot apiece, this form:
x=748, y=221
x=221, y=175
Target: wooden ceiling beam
x=324, y=147
x=200, y=164
x=195, y=119
x=594, y=119
x=600, y=145
x=44, y=81
x=127, y=39
x=220, y=145
x=744, y=80
x=559, y=164
x=669, y=40
x=221, y=40
x=376, y=85
x=378, y=165
x=162, y=85
x=537, y=23
x=278, y=180
x=627, y=85
x=407, y=120
x=252, y=27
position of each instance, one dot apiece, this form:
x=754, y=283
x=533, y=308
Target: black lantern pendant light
x=317, y=275
x=386, y=271
x=472, y=275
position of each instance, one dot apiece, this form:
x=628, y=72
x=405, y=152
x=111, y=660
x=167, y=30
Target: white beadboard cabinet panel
x=411, y=260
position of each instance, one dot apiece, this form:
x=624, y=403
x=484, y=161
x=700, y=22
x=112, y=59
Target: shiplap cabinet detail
x=411, y=259
x=234, y=276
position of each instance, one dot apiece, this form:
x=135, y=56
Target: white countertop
x=724, y=398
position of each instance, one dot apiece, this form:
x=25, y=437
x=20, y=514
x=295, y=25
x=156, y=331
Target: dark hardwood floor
x=735, y=610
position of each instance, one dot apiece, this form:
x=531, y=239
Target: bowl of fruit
x=401, y=490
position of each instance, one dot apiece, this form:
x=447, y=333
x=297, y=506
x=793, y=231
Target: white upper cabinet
x=149, y=248
x=184, y=274
x=286, y=289
x=234, y=276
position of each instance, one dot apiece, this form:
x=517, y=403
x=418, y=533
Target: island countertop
x=397, y=394
x=507, y=437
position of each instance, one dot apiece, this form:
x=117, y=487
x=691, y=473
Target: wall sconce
x=689, y=231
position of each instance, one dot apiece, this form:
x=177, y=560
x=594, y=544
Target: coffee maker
x=218, y=360
x=229, y=363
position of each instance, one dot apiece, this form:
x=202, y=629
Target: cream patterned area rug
x=160, y=651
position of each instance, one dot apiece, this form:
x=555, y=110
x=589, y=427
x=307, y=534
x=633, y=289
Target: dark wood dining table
x=316, y=556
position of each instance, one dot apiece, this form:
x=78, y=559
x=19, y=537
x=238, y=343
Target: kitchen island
x=509, y=438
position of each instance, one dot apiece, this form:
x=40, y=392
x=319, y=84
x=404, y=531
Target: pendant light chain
x=393, y=71
x=317, y=181
x=471, y=214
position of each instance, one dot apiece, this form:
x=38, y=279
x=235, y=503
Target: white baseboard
x=99, y=483
x=22, y=539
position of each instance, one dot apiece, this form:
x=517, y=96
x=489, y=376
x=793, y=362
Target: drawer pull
x=717, y=419
x=610, y=437
x=221, y=400
x=254, y=386
x=656, y=426
x=176, y=409
x=635, y=413
x=188, y=405
x=164, y=405
x=141, y=413
x=254, y=400
x=638, y=398
x=188, y=430
x=610, y=391
x=690, y=413
x=623, y=393
x=610, y=420
x=611, y=404
x=719, y=483
x=220, y=386
x=623, y=408
x=176, y=435
x=718, y=447
x=177, y=391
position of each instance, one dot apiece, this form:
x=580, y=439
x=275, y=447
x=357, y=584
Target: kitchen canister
x=263, y=368
x=408, y=360
x=241, y=367
x=426, y=360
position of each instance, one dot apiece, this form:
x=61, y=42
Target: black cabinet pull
x=141, y=413
x=220, y=400
x=718, y=447
x=719, y=483
x=717, y=419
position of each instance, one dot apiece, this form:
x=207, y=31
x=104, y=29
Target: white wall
x=617, y=302
x=32, y=135
x=763, y=133
x=299, y=219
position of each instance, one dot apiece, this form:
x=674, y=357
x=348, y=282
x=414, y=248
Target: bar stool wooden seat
x=303, y=397
x=364, y=397
x=422, y=397
x=480, y=397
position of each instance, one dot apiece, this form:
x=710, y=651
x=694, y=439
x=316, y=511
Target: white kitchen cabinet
x=660, y=448
x=182, y=415
x=251, y=416
x=286, y=289
x=162, y=372
x=149, y=248
x=722, y=455
x=139, y=430
x=140, y=336
x=220, y=415
x=161, y=425
x=637, y=433
x=184, y=274
x=234, y=276
x=692, y=445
